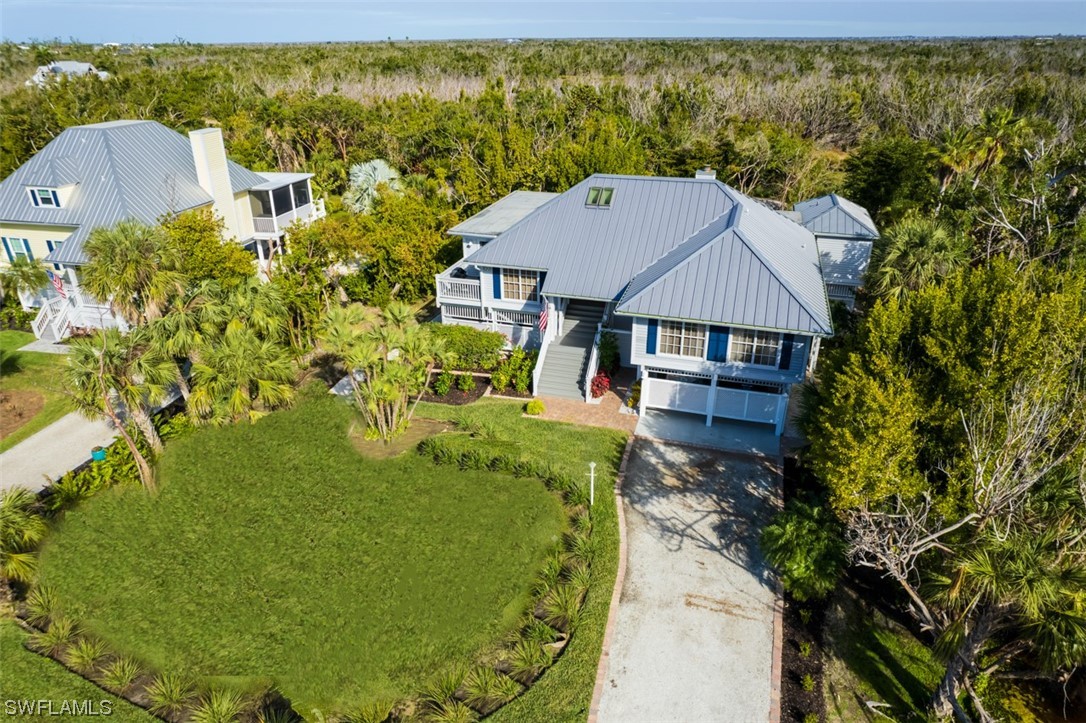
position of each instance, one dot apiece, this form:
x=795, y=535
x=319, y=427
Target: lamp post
x=591, y=484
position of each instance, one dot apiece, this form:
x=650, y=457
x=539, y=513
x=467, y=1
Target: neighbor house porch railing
x=275, y=224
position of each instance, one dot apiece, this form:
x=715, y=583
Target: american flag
x=543, y=318
x=58, y=284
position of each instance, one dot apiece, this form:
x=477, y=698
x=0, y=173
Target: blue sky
x=209, y=21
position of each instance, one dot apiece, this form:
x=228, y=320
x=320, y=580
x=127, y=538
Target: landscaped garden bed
x=275, y=554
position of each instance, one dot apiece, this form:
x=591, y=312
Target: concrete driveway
x=47, y=455
x=694, y=633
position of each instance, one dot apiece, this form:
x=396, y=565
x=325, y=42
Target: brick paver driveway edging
x=694, y=636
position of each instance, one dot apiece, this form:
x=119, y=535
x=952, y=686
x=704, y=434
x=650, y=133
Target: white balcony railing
x=277, y=224
x=458, y=289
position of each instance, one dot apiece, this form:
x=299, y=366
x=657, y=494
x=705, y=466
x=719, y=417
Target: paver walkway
x=694, y=633
x=46, y=455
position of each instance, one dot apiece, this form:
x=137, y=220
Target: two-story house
x=96, y=175
x=718, y=301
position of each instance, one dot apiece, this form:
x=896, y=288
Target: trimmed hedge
x=471, y=348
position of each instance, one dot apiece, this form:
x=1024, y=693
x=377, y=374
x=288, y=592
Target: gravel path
x=693, y=639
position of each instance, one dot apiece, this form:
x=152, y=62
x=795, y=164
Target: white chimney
x=209, y=155
x=707, y=174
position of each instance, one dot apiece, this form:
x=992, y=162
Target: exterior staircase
x=564, y=365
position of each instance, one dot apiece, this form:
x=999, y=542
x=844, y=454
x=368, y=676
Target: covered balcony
x=459, y=284
x=282, y=200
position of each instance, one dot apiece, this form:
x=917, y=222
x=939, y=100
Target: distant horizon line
x=182, y=42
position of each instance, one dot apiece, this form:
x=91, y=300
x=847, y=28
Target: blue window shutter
x=650, y=339
x=496, y=275
x=34, y=197
x=542, y=278
x=56, y=199
x=26, y=246
x=7, y=250
x=718, y=343
x=786, y=351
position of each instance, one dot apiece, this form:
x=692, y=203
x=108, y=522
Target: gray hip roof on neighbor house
x=833, y=215
x=679, y=248
x=120, y=169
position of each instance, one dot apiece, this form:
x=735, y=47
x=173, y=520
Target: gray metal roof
x=593, y=253
x=120, y=169
x=833, y=215
x=672, y=247
x=277, y=180
x=752, y=268
x=844, y=260
x=499, y=216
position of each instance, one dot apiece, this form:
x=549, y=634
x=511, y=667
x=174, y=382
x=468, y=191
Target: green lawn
x=28, y=676
x=31, y=370
x=873, y=658
x=564, y=693
x=276, y=550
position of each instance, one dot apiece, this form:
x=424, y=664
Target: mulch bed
x=511, y=393
x=457, y=396
x=802, y=654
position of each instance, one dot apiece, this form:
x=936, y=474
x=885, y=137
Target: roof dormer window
x=44, y=197
x=600, y=197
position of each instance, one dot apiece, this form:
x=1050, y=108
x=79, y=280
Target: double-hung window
x=680, y=338
x=520, y=285
x=17, y=247
x=759, y=348
x=46, y=197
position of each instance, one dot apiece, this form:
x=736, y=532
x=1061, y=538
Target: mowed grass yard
x=564, y=693
x=33, y=373
x=276, y=550
x=27, y=676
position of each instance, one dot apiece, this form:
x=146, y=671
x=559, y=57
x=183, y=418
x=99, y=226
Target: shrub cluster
x=465, y=382
x=470, y=348
x=535, y=407
x=515, y=371
x=610, y=359
x=442, y=383
x=600, y=384
x=14, y=316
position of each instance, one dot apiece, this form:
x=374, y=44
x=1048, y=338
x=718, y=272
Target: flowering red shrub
x=600, y=384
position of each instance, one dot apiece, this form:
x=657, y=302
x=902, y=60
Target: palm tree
x=916, y=252
x=21, y=531
x=182, y=330
x=365, y=178
x=133, y=266
x=389, y=360
x=23, y=276
x=113, y=373
x=239, y=375
x=1020, y=592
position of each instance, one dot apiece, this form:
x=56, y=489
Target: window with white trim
x=520, y=285
x=44, y=197
x=680, y=338
x=758, y=348
x=16, y=247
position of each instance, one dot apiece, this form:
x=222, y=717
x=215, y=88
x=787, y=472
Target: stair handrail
x=537, y=372
x=593, y=360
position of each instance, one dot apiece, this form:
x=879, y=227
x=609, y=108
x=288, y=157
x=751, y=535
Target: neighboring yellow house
x=96, y=175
